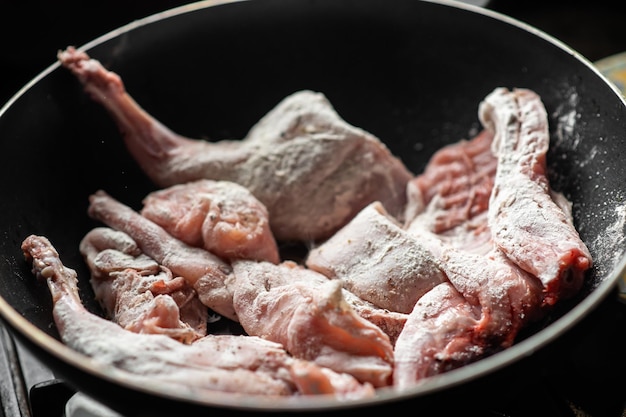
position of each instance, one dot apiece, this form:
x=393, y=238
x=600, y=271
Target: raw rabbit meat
x=378, y=261
x=450, y=198
x=437, y=337
x=407, y=277
x=232, y=364
x=527, y=224
x=205, y=272
x=136, y=292
x=478, y=311
x=390, y=322
x=216, y=285
x=221, y=216
x=307, y=313
x=385, y=262
x=500, y=258
x=311, y=169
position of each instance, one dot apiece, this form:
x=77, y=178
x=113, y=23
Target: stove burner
x=29, y=389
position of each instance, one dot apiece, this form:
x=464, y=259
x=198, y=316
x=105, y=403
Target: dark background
x=32, y=32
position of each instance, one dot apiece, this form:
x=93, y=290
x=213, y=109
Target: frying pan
x=411, y=72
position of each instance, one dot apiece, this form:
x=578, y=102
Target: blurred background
x=32, y=32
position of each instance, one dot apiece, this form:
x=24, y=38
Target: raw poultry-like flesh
x=210, y=276
x=221, y=216
x=478, y=311
x=406, y=277
x=276, y=302
x=451, y=196
x=470, y=292
x=311, y=169
x=241, y=365
x=507, y=261
x=309, y=315
x=526, y=222
x=378, y=261
x=136, y=292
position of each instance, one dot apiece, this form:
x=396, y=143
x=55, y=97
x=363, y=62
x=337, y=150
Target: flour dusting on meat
x=409, y=275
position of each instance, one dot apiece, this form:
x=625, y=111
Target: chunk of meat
x=205, y=272
x=451, y=196
x=486, y=299
x=526, y=223
x=480, y=310
x=307, y=313
x=437, y=337
x=378, y=261
x=136, y=292
x=390, y=322
x=221, y=216
x=310, y=168
x=231, y=364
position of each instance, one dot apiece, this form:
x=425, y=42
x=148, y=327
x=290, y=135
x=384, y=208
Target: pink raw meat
x=308, y=314
x=527, y=224
x=205, y=272
x=238, y=365
x=378, y=261
x=311, y=169
x=480, y=310
x=221, y=216
x=136, y=292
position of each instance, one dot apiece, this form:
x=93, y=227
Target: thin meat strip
x=307, y=313
x=232, y=364
x=527, y=224
x=377, y=260
x=312, y=170
x=136, y=292
x=221, y=216
x=205, y=272
x=450, y=198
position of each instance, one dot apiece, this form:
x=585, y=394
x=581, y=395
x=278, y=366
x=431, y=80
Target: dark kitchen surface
x=582, y=373
x=32, y=32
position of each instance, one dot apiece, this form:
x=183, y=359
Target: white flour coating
x=567, y=116
x=608, y=246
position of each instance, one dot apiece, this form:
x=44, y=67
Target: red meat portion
x=506, y=261
x=451, y=197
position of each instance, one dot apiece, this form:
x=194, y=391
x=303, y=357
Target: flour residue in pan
x=607, y=246
x=567, y=117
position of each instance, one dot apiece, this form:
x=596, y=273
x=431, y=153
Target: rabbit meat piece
x=136, y=292
x=310, y=168
x=227, y=363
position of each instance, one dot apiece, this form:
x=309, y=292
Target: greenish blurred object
x=614, y=68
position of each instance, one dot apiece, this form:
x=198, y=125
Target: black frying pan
x=412, y=72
